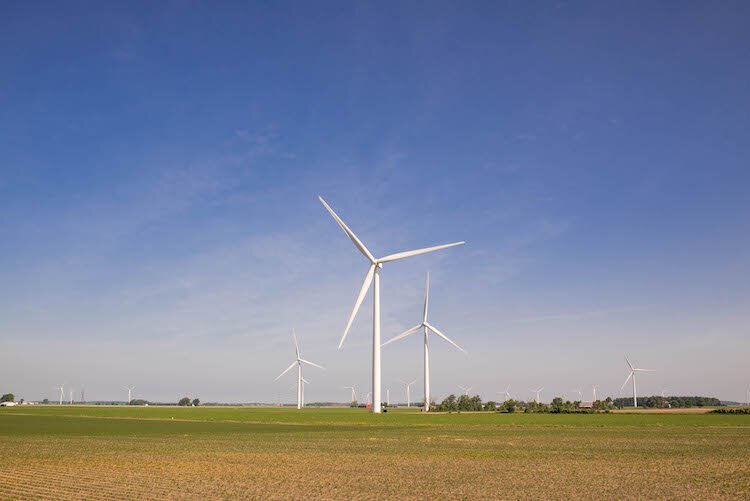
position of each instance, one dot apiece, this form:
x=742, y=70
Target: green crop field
x=81, y=452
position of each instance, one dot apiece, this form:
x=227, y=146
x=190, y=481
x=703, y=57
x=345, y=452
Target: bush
x=732, y=410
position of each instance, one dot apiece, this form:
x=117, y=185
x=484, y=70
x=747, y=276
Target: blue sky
x=160, y=166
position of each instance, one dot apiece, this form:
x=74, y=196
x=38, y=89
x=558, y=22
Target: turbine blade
x=426, y=296
x=287, y=370
x=311, y=363
x=433, y=329
x=629, y=364
x=403, y=334
x=305, y=381
x=402, y=255
x=356, y=241
x=358, y=303
x=296, y=344
x=626, y=380
x=644, y=370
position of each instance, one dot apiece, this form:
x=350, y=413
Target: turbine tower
x=70, y=395
x=593, y=389
x=426, y=327
x=298, y=362
x=408, y=391
x=373, y=276
x=537, y=392
x=633, y=370
x=130, y=392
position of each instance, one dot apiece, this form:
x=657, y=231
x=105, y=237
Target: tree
x=509, y=406
x=490, y=406
x=184, y=402
x=354, y=404
x=196, y=402
x=8, y=397
x=45, y=401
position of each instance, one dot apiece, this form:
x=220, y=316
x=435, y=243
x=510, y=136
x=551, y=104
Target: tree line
x=659, y=402
x=465, y=403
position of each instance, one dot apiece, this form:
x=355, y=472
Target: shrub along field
x=75, y=452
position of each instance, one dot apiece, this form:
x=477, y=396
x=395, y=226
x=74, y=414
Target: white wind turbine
x=537, y=392
x=408, y=390
x=426, y=327
x=633, y=370
x=593, y=389
x=373, y=275
x=505, y=393
x=354, y=391
x=298, y=363
x=580, y=394
x=70, y=396
x=130, y=392
x=465, y=389
x=62, y=391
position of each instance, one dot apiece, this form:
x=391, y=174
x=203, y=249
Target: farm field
x=94, y=452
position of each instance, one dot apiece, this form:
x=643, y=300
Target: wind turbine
x=70, y=395
x=580, y=394
x=62, y=391
x=506, y=393
x=298, y=362
x=465, y=389
x=354, y=392
x=536, y=398
x=747, y=396
x=426, y=327
x=373, y=275
x=408, y=391
x=633, y=370
x=130, y=392
x=593, y=389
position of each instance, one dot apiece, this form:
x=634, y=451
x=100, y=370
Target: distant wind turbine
x=130, y=392
x=354, y=392
x=62, y=392
x=70, y=395
x=465, y=389
x=580, y=394
x=298, y=362
x=593, y=389
x=373, y=276
x=537, y=392
x=426, y=327
x=408, y=391
x=505, y=393
x=633, y=370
